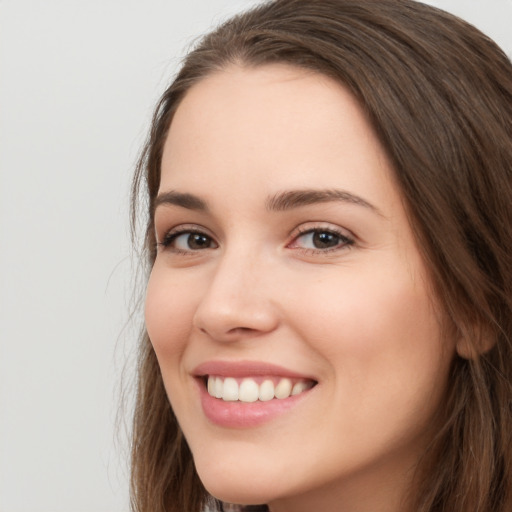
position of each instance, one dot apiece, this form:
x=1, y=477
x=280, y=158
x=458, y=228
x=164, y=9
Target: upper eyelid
x=183, y=228
x=301, y=229
x=169, y=237
x=346, y=238
x=309, y=226
x=335, y=232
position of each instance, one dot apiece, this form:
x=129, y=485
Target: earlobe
x=467, y=350
x=475, y=342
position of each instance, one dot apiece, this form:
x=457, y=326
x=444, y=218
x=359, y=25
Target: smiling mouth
x=230, y=389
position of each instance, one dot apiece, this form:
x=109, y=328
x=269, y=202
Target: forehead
x=269, y=128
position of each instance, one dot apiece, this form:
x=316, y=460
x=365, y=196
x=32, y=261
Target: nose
x=238, y=302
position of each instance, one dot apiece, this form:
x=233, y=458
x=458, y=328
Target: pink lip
x=245, y=369
x=239, y=414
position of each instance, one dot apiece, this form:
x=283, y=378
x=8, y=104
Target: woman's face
x=287, y=267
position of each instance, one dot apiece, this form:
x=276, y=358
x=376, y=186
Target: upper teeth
x=248, y=390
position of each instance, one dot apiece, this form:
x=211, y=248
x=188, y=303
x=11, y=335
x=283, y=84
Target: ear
x=475, y=342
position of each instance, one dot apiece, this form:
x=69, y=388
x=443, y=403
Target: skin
x=358, y=317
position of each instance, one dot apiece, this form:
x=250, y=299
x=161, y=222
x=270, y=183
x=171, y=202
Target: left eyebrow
x=291, y=199
x=188, y=201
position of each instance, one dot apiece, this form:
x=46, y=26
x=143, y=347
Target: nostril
x=230, y=320
x=241, y=330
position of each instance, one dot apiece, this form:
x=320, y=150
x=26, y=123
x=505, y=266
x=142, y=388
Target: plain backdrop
x=77, y=85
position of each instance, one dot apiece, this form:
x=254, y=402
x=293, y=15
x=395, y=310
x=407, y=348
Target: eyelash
x=344, y=241
x=173, y=234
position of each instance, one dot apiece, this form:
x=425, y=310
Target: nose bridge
x=237, y=299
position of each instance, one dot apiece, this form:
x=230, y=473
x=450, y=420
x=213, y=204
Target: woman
x=329, y=233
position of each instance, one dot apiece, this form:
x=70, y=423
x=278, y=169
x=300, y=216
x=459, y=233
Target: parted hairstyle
x=438, y=93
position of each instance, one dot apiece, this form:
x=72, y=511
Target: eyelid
x=346, y=237
x=172, y=233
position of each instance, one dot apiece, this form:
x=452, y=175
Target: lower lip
x=245, y=414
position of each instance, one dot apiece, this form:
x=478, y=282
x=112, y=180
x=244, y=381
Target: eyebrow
x=281, y=201
x=297, y=198
x=189, y=201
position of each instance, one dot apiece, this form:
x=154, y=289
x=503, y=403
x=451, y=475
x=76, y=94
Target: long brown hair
x=439, y=95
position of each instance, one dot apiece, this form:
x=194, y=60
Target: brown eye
x=321, y=240
x=188, y=241
x=197, y=241
x=324, y=240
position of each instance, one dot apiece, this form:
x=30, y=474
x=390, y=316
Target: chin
x=242, y=488
x=240, y=495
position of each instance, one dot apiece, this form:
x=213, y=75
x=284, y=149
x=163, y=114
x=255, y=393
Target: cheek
x=381, y=330
x=387, y=363
x=169, y=310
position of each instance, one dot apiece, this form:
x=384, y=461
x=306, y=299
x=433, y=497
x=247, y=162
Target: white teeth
x=218, y=388
x=229, y=390
x=266, y=391
x=283, y=389
x=211, y=386
x=248, y=391
x=299, y=388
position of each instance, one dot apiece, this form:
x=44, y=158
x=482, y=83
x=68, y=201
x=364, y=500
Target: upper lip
x=245, y=369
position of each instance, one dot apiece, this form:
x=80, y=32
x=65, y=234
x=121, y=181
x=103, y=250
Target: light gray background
x=77, y=85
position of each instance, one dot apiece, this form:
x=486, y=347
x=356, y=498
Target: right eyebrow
x=189, y=201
